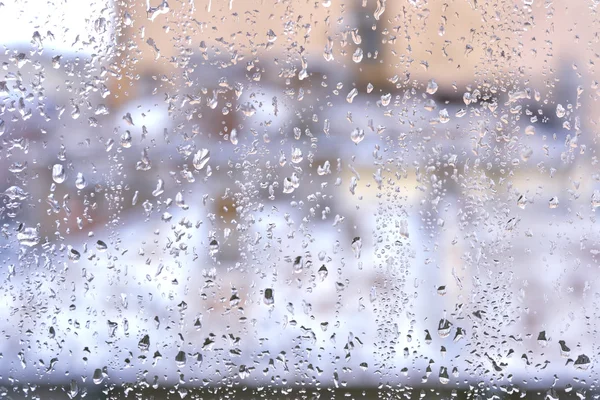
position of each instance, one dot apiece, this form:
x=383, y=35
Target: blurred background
x=299, y=199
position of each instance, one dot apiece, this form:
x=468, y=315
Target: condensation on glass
x=290, y=198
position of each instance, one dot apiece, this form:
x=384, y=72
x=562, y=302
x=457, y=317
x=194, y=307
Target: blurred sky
x=66, y=19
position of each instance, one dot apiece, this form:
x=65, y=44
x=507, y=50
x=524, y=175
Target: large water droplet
x=80, y=182
x=58, y=173
x=357, y=135
x=268, y=297
x=201, y=158
x=28, y=236
x=358, y=55
x=432, y=86
x=180, y=359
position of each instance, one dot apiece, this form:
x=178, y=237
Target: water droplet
x=153, y=12
x=127, y=20
x=358, y=55
x=583, y=362
x=351, y=95
x=432, y=86
x=560, y=111
x=248, y=109
x=325, y=169
x=73, y=389
x=442, y=30
x=127, y=118
x=180, y=359
x=126, y=140
x=296, y=155
x=379, y=10
x=101, y=246
x=459, y=334
x=98, y=376
x=385, y=99
x=444, y=328
x=180, y=202
x=268, y=297
x=323, y=272
x=74, y=255
x=356, y=246
x=542, y=339
x=144, y=343
x=58, y=173
x=443, y=375
x=444, y=116
x=530, y=130
x=272, y=37
x=290, y=184
x=16, y=193
x=213, y=247
x=80, y=182
x=233, y=137
x=201, y=158
x=160, y=188
x=553, y=202
x=28, y=236
x=298, y=265
x=357, y=135
x=565, y=351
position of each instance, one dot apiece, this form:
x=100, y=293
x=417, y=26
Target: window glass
x=277, y=198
